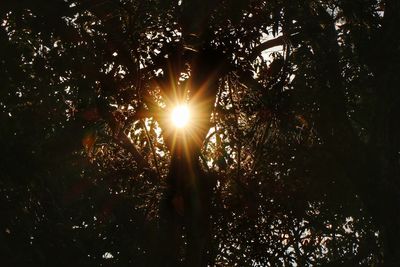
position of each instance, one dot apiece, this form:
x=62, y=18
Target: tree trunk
x=185, y=209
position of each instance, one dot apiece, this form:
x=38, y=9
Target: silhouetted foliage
x=293, y=158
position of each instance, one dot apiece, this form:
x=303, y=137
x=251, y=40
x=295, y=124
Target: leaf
x=88, y=141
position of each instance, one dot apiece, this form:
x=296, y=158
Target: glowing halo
x=180, y=116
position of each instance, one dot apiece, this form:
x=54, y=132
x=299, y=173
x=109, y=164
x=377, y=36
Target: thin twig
x=235, y=110
x=153, y=151
x=259, y=145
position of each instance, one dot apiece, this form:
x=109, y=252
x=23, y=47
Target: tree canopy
x=291, y=156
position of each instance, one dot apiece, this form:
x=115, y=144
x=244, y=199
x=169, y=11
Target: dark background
x=304, y=149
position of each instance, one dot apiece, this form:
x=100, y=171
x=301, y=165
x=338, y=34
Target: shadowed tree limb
x=281, y=40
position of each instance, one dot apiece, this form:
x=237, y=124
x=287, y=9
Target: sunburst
x=180, y=116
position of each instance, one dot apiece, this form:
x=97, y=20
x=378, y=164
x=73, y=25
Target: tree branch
x=281, y=40
x=152, y=148
x=125, y=142
x=122, y=139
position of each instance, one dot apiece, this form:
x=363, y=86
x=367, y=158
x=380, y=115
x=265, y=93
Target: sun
x=180, y=116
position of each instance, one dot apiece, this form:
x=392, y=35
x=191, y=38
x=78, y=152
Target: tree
x=291, y=156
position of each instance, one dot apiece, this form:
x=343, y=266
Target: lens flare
x=180, y=116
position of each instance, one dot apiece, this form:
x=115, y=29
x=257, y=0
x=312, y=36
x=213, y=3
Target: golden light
x=180, y=116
